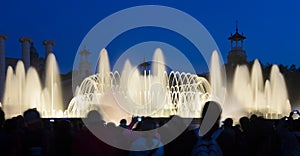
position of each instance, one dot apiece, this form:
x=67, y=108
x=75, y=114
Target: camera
x=139, y=118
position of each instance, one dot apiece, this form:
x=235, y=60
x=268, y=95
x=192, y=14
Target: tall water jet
x=126, y=72
x=257, y=85
x=32, y=97
x=158, y=63
x=20, y=77
x=53, y=86
x=217, y=79
x=10, y=96
x=267, y=93
x=241, y=90
x=279, y=98
x=104, y=71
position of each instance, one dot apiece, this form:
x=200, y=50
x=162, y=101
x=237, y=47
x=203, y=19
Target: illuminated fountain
x=161, y=94
x=24, y=90
x=155, y=93
x=268, y=98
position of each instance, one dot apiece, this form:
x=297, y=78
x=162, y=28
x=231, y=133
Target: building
x=84, y=67
x=237, y=54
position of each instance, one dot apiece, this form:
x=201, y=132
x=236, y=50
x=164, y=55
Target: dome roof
x=84, y=52
x=236, y=37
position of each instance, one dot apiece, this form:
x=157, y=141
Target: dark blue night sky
x=272, y=27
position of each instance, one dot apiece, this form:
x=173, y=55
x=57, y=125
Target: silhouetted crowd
x=31, y=135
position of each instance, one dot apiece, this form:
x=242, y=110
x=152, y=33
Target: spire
x=32, y=48
x=236, y=26
x=84, y=52
x=237, y=36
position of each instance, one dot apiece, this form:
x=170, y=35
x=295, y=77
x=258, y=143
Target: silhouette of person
x=36, y=138
x=123, y=123
x=62, y=138
x=207, y=143
x=147, y=140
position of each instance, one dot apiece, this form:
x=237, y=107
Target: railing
x=236, y=48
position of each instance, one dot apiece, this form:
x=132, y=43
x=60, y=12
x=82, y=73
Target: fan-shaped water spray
x=145, y=93
x=160, y=94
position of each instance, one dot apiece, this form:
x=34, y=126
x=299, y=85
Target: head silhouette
x=211, y=114
x=31, y=115
x=123, y=123
x=228, y=122
x=94, y=118
x=32, y=119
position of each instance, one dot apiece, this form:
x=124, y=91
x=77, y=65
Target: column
x=49, y=47
x=26, y=51
x=2, y=64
